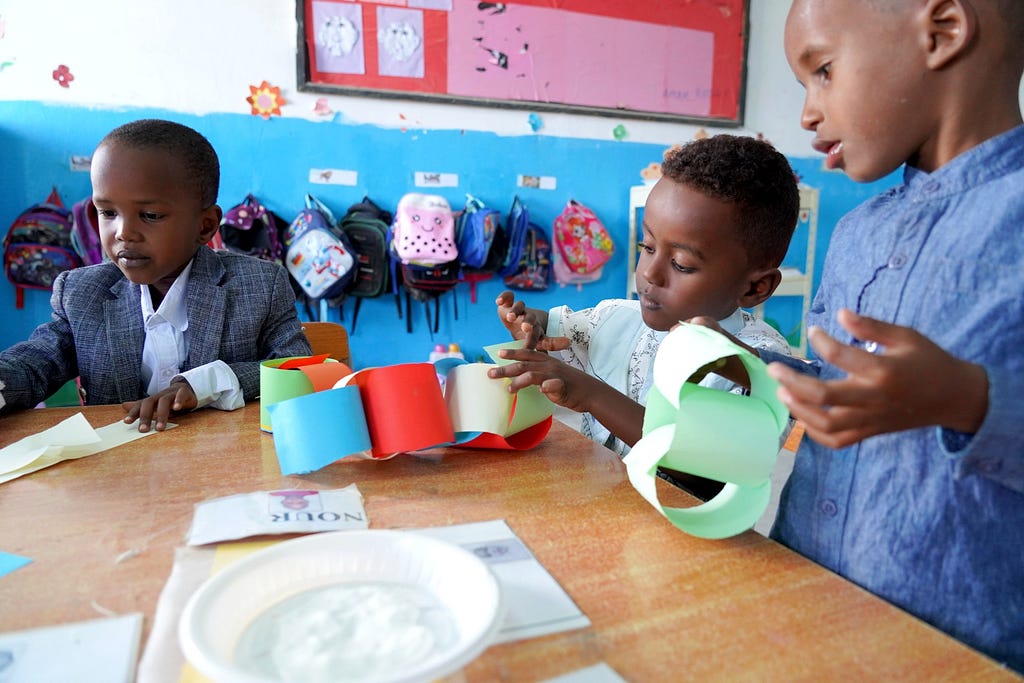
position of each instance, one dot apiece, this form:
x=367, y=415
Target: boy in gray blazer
x=168, y=324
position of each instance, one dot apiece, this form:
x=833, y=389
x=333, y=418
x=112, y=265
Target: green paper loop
x=709, y=433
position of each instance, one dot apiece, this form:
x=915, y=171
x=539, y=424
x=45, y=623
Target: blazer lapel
x=205, y=301
x=123, y=317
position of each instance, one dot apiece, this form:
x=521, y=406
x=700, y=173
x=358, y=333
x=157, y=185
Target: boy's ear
x=761, y=284
x=210, y=222
x=948, y=27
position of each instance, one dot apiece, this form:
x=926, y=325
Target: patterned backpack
x=424, y=230
x=582, y=246
x=250, y=228
x=534, y=273
x=581, y=241
x=38, y=247
x=318, y=257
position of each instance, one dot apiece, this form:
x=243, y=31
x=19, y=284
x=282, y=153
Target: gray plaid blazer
x=241, y=310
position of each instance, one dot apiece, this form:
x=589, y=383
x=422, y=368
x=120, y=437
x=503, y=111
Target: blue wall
x=272, y=158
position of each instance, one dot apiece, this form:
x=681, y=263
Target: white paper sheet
x=277, y=512
x=537, y=604
x=97, y=651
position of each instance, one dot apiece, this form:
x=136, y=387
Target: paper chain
x=710, y=433
x=321, y=412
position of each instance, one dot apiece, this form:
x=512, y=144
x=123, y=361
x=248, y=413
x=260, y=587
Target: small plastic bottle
x=440, y=352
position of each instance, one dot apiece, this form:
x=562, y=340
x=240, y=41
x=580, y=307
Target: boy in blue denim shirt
x=912, y=481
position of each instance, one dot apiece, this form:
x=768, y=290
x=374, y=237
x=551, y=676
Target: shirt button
x=898, y=261
x=828, y=507
x=870, y=346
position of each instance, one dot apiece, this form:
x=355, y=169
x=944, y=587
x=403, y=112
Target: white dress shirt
x=166, y=348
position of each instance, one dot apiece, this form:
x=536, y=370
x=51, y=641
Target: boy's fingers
x=553, y=344
x=849, y=358
x=871, y=329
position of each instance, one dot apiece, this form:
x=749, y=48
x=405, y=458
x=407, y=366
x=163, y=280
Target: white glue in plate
x=377, y=605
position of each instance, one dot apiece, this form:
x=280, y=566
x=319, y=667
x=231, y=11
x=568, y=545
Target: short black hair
x=749, y=174
x=181, y=142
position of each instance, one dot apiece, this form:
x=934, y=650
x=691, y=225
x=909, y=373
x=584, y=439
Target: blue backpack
x=475, y=230
x=318, y=256
x=516, y=227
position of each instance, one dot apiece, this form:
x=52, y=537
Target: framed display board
x=653, y=60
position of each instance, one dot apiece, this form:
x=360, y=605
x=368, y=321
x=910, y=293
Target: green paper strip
x=709, y=433
x=279, y=385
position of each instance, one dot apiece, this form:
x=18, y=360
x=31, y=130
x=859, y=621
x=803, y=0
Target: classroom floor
x=783, y=466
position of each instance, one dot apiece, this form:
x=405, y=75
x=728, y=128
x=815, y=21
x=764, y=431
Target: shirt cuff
x=215, y=385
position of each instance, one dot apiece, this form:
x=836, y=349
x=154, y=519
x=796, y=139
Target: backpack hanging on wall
x=534, y=273
x=250, y=228
x=516, y=225
x=482, y=243
x=366, y=225
x=424, y=230
x=318, y=257
x=581, y=246
x=38, y=248
x=428, y=283
x=85, y=232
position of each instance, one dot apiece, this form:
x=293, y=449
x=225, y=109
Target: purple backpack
x=85, y=232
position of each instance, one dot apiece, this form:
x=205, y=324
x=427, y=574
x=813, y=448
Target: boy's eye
x=106, y=213
x=683, y=269
x=150, y=216
x=824, y=71
x=643, y=247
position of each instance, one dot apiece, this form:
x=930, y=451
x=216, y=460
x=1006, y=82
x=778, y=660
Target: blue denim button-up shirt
x=930, y=520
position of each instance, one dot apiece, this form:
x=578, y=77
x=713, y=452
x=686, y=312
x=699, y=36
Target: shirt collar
x=172, y=307
x=734, y=323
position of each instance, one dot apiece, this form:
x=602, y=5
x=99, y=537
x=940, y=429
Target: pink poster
x=550, y=55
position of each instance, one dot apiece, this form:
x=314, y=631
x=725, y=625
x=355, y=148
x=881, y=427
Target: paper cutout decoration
x=321, y=108
x=381, y=412
x=536, y=123
x=62, y=74
x=265, y=99
x=620, y=133
x=710, y=433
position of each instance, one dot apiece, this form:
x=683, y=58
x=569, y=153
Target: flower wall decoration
x=62, y=74
x=265, y=99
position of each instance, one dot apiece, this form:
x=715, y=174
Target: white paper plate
x=218, y=614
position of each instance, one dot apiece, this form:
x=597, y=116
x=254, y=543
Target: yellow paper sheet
x=68, y=440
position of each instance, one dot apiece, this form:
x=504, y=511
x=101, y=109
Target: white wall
x=200, y=56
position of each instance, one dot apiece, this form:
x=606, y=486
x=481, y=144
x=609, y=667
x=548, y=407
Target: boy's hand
x=176, y=398
x=523, y=323
x=909, y=383
x=563, y=384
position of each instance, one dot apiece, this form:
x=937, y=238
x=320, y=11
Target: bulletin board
x=625, y=58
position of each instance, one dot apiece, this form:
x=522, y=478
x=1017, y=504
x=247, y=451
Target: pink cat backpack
x=424, y=230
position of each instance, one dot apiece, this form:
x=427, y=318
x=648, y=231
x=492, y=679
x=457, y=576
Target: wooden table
x=664, y=606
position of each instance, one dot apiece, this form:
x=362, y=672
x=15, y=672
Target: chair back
x=329, y=338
